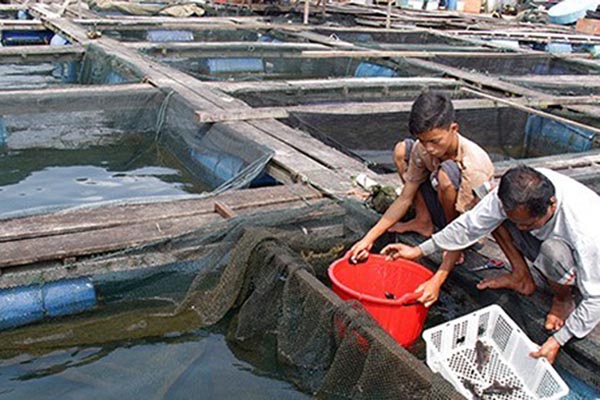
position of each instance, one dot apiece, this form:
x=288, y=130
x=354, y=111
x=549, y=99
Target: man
x=440, y=170
x=554, y=222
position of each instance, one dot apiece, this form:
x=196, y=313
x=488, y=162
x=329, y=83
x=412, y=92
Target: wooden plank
x=411, y=54
x=557, y=81
x=39, y=249
x=180, y=47
x=334, y=83
x=73, y=245
x=21, y=25
x=361, y=108
x=22, y=54
x=530, y=35
x=89, y=219
x=79, y=98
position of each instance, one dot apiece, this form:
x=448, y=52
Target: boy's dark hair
x=429, y=111
x=524, y=186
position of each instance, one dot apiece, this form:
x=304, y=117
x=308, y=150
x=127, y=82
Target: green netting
x=85, y=150
x=518, y=65
x=264, y=276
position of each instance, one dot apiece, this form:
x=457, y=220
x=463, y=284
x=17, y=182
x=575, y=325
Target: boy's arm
x=393, y=214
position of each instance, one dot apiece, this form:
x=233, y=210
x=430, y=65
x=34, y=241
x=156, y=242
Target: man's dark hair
x=524, y=186
x=429, y=111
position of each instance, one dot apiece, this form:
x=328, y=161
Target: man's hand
x=430, y=291
x=549, y=350
x=399, y=250
x=360, y=250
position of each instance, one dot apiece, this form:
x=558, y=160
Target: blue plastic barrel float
x=26, y=38
x=368, y=70
x=26, y=304
x=542, y=133
x=221, y=167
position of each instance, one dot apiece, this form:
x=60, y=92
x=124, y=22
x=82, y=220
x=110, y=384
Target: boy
x=439, y=170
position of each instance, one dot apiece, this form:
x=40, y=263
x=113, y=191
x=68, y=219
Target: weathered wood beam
x=531, y=36
x=22, y=54
x=336, y=83
x=94, y=218
x=77, y=98
x=360, y=108
x=224, y=47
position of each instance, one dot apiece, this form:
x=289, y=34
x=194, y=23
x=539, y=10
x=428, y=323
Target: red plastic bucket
x=369, y=282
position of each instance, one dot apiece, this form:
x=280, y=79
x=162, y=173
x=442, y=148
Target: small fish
x=471, y=387
x=498, y=388
x=390, y=296
x=482, y=354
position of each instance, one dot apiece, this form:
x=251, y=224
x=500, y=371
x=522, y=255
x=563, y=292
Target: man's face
x=525, y=222
x=438, y=141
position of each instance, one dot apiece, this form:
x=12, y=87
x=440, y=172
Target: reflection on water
x=201, y=366
x=124, y=352
x=132, y=167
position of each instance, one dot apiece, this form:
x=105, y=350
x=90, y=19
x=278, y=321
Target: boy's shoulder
x=471, y=150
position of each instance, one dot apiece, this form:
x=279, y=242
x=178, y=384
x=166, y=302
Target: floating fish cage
x=517, y=65
x=69, y=66
x=408, y=40
x=273, y=65
x=302, y=92
x=190, y=34
x=115, y=146
x=506, y=133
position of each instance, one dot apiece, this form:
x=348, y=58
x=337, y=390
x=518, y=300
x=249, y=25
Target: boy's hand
x=400, y=250
x=431, y=292
x=549, y=350
x=360, y=251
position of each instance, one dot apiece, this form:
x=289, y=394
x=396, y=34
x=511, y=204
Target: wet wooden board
x=54, y=242
x=87, y=219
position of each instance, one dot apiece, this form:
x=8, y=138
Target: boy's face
x=438, y=142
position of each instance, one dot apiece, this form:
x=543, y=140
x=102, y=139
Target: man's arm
x=468, y=228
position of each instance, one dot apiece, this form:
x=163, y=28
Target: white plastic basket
x=451, y=352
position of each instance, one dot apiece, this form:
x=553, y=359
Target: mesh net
x=264, y=277
x=116, y=146
x=268, y=272
x=505, y=133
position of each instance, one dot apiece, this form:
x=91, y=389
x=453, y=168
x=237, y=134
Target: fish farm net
x=265, y=277
x=86, y=148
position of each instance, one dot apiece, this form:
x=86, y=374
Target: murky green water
x=197, y=365
x=131, y=166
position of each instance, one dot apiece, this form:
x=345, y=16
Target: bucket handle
x=409, y=299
